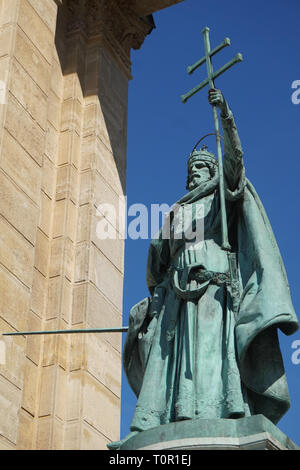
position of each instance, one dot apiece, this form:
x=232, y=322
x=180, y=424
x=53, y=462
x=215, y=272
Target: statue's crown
x=202, y=155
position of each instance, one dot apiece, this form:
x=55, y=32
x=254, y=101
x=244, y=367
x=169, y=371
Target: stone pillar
x=78, y=383
x=27, y=64
x=64, y=71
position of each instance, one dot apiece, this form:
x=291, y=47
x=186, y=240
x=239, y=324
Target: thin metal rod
x=197, y=64
x=122, y=329
x=210, y=74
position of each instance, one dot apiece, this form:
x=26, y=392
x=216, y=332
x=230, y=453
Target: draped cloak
x=189, y=353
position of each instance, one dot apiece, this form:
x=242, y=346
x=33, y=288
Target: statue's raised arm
x=233, y=152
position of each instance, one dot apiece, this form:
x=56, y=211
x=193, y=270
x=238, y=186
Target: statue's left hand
x=216, y=98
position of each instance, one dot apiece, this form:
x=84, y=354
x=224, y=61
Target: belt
x=202, y=275
x=203, y=278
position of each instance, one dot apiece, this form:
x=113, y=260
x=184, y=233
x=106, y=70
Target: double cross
x=211, y=76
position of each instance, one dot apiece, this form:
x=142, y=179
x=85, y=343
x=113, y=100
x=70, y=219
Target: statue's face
x=198, y=173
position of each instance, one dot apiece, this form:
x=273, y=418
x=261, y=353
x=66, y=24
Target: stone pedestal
x=251, y=433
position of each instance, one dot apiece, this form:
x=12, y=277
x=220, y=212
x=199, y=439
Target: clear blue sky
x=162, y=131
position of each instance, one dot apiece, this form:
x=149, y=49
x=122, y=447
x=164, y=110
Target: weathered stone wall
x=65, y=66
x=146, y=7
x=27, y=181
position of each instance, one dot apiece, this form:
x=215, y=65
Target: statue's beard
x=196, y=181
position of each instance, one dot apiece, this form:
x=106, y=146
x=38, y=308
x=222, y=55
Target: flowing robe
x=190, y=353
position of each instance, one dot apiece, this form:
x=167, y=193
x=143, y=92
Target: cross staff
x=211, y=76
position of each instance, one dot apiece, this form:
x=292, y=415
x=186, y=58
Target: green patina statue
x=205, y=344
